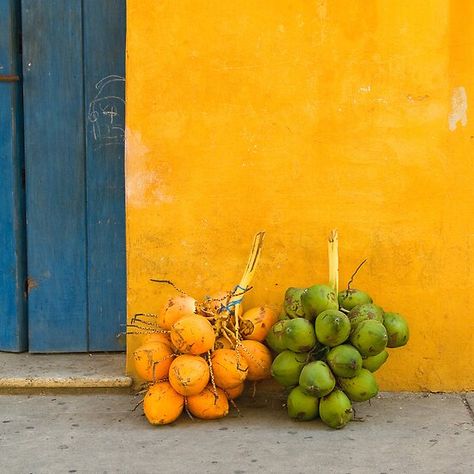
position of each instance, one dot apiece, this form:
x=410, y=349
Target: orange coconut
x=209, y=405
x=189, y=374
x=258, y=357
x=222, y=343
x=162, y=404
x=193, y=334
x=152, y=361
x=255, y=323
x=229, y=368
x=158, y=337
x=233, y=393
x=174, y=309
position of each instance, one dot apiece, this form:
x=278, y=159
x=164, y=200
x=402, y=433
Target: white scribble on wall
x=107, y=111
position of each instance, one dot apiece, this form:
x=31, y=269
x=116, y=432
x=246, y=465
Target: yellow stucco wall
x=296, y=117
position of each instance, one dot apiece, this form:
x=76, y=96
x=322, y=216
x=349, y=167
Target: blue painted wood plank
x=55, y=177
x=104, y=86
x=13, y=318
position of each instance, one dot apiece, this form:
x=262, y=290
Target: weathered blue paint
x=104, y=86
x=13, y=322
x=74, y=137
x=55, y=175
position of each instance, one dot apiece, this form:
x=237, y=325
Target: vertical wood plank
x=104, y=70
x=55, y=177
x=13, y=321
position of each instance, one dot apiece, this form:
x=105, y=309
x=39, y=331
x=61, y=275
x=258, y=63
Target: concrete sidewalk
x=96, y=370
x=99, y=433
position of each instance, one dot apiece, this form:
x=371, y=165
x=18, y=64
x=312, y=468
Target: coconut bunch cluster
x=328, y=346
x=198, y=355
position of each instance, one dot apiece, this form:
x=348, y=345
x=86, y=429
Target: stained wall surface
x=296, y=117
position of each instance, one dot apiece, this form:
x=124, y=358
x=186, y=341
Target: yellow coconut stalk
x=236, y=299
x=333, y=258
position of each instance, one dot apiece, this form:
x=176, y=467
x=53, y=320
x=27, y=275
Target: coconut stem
x=353, y=275
x=138, y=404
x=235, y=406
x=211, y=371
x=246, y=277
x=169, y=282
x=223, y=332
x=333, y=258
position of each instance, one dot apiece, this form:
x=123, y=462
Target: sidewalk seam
x=468, y=407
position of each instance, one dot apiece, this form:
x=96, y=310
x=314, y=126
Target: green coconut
x=369, y=338
x=363, y=312
x=275, y=337
x=317, y=379
x=320, y=353
x=397, y=329
x=292, y=303
x=287, y=366
x=302, y=406
x=374, y=363
x=299, y=335
x=360, y=388
x=332, y=327
x=348, y=299
x=335, y=409
x=318, y=298
x=344, y=360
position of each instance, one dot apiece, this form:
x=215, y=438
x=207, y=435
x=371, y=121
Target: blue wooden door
x=74, y=111
x=13, y=322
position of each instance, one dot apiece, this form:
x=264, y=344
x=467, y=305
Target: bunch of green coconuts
x=328, y=346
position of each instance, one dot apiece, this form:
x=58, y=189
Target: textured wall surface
x=296, y=117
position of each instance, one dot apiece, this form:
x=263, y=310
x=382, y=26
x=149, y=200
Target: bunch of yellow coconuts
x=197, y=360
x=197, y=355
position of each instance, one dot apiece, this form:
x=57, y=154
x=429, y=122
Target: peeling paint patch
x=322, y=11
x=458, y=108
x=322, y=7
x=31, y=284
x=143, y=186
x=159, y=194
x=417, y=98
x=134, y=144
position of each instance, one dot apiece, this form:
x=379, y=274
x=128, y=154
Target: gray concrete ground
x=99, y=433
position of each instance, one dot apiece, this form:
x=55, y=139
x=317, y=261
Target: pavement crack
x=468, y=407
